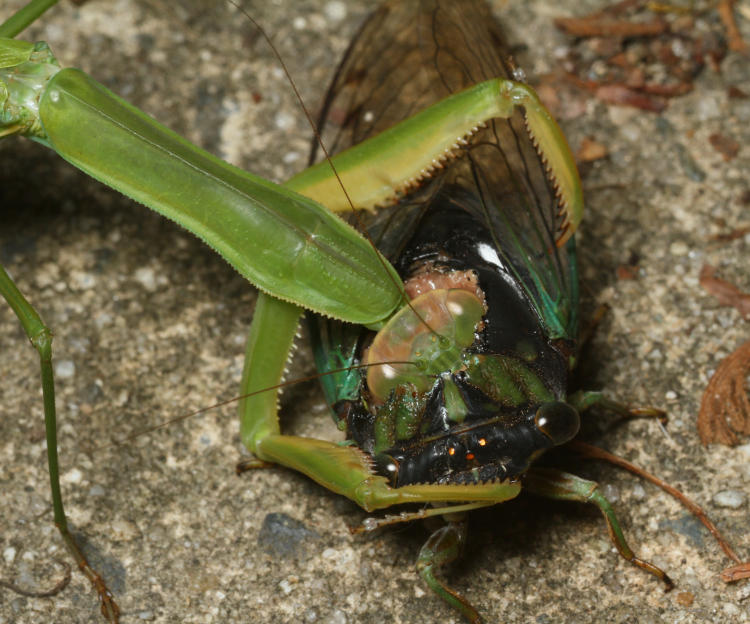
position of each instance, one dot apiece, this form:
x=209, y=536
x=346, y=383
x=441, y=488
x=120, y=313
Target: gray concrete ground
x=149, y=324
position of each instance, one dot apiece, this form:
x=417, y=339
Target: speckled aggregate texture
x=149, y=325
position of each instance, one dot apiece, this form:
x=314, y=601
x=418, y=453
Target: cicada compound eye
x=558, y=421
x=387, y=466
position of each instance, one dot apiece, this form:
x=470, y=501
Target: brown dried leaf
x=726, y=292
x=685, y=598
x=547, y=93
x=600, y=26
x=564, y=98
x=726, y=13
x=591, y=150
x=626, y=272
x=725, y=407
x=736, y=573
x=667, y=90
x=727, y=237
x=622, y=96
x=726, y=146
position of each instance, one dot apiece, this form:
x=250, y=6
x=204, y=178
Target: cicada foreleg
x=584, y=400
x=559, y=485
x=444, y=546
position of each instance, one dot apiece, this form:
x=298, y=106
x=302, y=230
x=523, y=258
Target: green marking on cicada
x=506, y=379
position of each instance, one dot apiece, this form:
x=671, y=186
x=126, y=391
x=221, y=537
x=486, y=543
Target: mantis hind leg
x=41, y=338
x=560, y=485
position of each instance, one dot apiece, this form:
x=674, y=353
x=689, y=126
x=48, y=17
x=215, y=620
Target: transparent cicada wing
x=409, y=55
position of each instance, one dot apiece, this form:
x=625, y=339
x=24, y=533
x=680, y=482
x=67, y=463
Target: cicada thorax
x=473, y=387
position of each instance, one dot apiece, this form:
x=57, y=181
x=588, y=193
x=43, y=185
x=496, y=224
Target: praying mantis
x=257, y=583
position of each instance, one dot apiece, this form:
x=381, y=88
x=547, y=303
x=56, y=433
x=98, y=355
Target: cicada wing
x=409, y=55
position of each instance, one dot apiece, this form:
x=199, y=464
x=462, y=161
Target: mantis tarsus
x=496, y=576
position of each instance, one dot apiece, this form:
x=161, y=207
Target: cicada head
x=438, y=411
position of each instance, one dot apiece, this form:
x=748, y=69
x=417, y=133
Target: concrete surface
x=150, y=325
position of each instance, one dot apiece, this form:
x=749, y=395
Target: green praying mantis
x=176, y=524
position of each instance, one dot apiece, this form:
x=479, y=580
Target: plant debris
x=725, y=407
x=726, y=146
x=735, y=93
x=733, y=234
x=736, y=42
x=736, y=573
x=640, y=53
x=727, y=293
x=591, y=150
x=601, y=25
x=630, y=269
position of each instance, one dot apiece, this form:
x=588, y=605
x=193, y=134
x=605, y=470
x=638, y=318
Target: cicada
x=450, y=402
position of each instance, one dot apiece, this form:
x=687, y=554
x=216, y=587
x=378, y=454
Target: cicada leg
x=560, y=485
x=41, y=338
x=585, y=400
x=444, y=546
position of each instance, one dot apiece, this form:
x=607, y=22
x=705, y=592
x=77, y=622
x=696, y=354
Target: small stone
x=335, y=11
x=146, y=277
x=708, y=107
x=337, y=617
x=611, y=493
x=282, y=535
x=290, y=158
x=82, y=280
x=96, y=490
x=9, y=554
x=283, y=121
x=638, y=492
x=678, y=248
x=286, y=587
x=731, y=610
x=72, y=476
x=65, y=369
x=732, y=499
